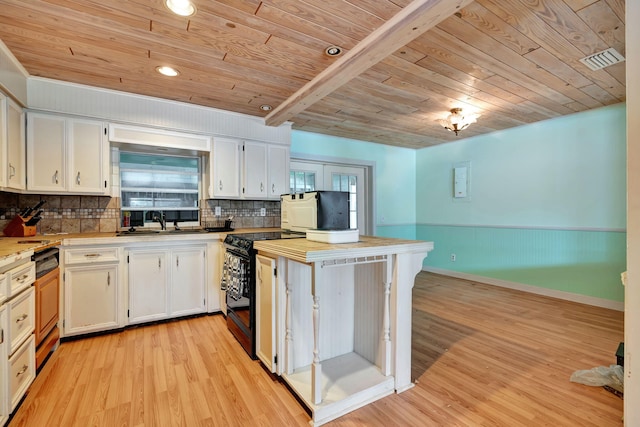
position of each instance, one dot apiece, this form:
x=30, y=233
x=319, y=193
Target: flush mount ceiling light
x=457, y=122
x=333, y=51
x=167, y=71
x=266, y=107
x=181, y=7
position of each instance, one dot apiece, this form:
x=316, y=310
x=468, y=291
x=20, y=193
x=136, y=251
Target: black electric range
x=239, y=282
x=243, y=242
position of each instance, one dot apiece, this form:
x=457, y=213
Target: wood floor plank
x=482, y=356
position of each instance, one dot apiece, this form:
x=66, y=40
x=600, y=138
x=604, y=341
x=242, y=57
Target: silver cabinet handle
x=78, y=178
x=23, y=278
x=220, y=185
x=55, y=177
x=108, y=279
x=12, y=171
x=261, y=187
x=159, y=263
x=273, y=188
x=177, y=261
x=22, y=370
x=21, y=318
x=94, y=255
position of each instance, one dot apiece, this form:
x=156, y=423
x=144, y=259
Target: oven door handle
x=234, y=251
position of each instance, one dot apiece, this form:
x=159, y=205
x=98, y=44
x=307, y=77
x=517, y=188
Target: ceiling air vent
x=603, y=59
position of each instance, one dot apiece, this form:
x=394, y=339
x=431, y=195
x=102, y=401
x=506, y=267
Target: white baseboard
x=567, y=296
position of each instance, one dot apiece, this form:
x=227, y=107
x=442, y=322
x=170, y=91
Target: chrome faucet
x=159, y=217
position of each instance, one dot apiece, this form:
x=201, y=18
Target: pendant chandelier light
x=456, y=122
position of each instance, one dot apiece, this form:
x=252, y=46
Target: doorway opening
x=307, y=175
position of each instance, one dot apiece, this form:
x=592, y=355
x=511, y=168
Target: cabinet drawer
x=22, y=371
x=21, y=314
x=21, y=277
x=91, y=255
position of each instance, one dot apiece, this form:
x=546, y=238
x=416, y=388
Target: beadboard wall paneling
x=13, y=77
x=110, y=105
x=369, y=291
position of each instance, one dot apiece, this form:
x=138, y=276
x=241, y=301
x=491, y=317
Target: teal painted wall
x=395, y=176
x=575, y=261
x=547, y=204
x=546, y=208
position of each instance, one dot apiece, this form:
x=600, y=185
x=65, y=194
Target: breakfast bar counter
x=334, y=320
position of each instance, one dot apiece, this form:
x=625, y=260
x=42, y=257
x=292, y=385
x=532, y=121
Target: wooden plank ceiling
x=512, y=61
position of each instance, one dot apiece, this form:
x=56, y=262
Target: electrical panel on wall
x=461, y=174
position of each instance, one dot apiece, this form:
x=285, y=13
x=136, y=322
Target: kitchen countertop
x=301, y=250
x=304, y=250
x=15, y=245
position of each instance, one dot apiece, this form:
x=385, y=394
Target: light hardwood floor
x=482, y=356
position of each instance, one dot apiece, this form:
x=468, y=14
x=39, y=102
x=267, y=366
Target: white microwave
x=321, y=210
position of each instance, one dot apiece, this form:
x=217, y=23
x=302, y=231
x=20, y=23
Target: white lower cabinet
x=148, y=298
x=21, y=312
x=167, y=282
x=4, y=376
x=17, y=328
x=21, y=370
x=188, y=281
x=91, y=277
x=91, y=299
x=266, y=311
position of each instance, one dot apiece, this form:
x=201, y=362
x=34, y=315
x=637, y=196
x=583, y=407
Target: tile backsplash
x=89, y=214
x=65, y=214
x=246, y=213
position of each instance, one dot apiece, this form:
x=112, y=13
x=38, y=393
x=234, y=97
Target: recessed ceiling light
x=181, y=7
x=167, y=71
x=266, y=107
x=333, y=51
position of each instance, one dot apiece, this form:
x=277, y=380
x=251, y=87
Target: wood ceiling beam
x=412, y=21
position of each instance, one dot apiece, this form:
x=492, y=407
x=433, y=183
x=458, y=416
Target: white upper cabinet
x=66, y=155
x=16, y=156
x=12, y=150
x=248, y=169
x=46, y=136
x=225, y=168
x=255, y=170
x=88, y=155
x=278, y=171
x=3, y=140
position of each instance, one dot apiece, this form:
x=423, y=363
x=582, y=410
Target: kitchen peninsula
x=334, y=320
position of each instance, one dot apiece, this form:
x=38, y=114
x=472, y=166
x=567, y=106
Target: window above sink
x=153, y=187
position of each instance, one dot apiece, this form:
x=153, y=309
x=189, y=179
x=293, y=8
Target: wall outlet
x=263, y=211
x=453, y=257
x=218, y=211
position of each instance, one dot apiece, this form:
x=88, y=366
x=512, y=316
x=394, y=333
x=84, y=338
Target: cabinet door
x=255, y=170
x=91, y=298
x=148, y=297
x=266, y=311
x=87, y=150
x=47, y=303
x=46, y=135
x=188, y=274
x=16, y=156
x=4, y=161
x=225, y=168
x=278, y=171
x=4, y=380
